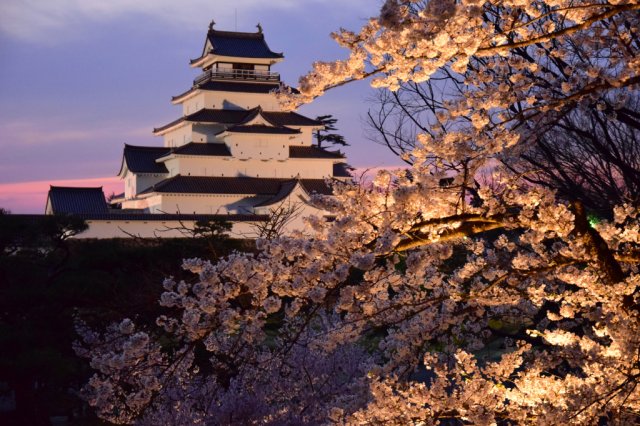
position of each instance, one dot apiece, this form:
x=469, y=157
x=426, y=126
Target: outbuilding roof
x=73, y=200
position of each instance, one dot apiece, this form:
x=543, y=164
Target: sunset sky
x=79, y=78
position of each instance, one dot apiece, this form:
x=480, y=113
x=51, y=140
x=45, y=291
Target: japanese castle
x=232, y=154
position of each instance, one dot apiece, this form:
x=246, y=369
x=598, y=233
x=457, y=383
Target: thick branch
x=598, y=247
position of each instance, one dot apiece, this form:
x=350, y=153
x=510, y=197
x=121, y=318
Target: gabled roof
x=142, y=159
x=260, y=128
x=72, y=200
x=278, y=118
x=286, y=188
x=239, y=116
x=232, y=185
x=239, y=44
x=312, y=152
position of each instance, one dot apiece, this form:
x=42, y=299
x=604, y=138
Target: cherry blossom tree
x=589, y=153
x=420, y=303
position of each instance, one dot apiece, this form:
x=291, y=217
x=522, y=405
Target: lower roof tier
x=146, y=159
x=234, y=185
x=240, y=116
x=229, y=86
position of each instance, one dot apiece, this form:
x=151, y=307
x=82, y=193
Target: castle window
x=243, y=66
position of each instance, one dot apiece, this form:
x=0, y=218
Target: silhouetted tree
x=329, y=126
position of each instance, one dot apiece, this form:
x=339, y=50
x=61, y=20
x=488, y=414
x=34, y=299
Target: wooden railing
x=217, y=74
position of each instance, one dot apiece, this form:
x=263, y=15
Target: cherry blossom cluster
x=419, y=303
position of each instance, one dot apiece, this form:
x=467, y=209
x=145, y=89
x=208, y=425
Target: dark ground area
x=46, y=279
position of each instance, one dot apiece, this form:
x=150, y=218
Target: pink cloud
x=31, y=197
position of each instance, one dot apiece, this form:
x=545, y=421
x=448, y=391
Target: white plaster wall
x=216, y=59
x=299, y=223
x=203, y=166
x=150, y=204
x=206, y=204
x=129, y=185
x=229, y=100
x=153, y=229
x=301, y=209
x=232, y=167
x=260, y=146
x=206, y=132
x=267, y=101
x=180, y=136
x=193, y=104
x=136, y=183
x=48, y=208
x=306, y=136
x=144, y=181
x=308, y=168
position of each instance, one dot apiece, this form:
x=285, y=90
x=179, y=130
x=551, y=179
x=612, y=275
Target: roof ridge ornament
x=211, y=24
x=259, y=28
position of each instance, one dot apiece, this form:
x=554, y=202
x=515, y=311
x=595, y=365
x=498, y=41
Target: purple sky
x=78, y=79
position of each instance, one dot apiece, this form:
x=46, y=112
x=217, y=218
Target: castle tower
x=232, y=151
x=232, y=140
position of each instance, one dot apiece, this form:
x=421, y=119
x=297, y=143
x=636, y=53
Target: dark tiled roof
x=205, y=149
x=285, y=189
x=67, y=200
x=289, y=119
x=232, y=185
x=259, y=128
x=318, y=186
x=244, y=45
x=342, y=170
x=228, y=86
x=226, y=116
x=312, y=152
x=142, y=159
x=166, y=126
x=238, y=116
x=234, y=86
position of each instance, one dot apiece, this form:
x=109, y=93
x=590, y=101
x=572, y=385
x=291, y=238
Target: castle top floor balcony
x=236, y=74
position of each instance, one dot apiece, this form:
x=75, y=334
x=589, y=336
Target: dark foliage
x=43, y=286
x=329, y=126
